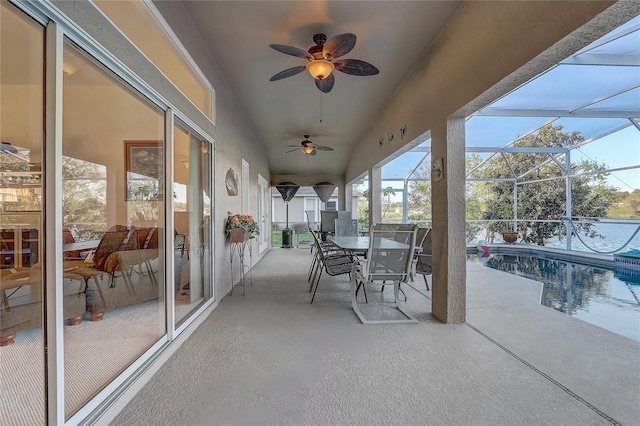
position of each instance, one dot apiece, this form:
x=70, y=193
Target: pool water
x=592, y=294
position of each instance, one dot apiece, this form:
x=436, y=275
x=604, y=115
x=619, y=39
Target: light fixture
x=320, y=68
x=68, y=69
x=185, y=163
x=307, y=149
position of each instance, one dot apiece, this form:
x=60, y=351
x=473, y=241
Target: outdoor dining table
x=361, y=244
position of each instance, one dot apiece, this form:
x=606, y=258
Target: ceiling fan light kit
x=320, y=69
x=321, y=60
x=308, y=148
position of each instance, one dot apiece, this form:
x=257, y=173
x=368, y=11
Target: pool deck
x=596, y=366
x=271, y=357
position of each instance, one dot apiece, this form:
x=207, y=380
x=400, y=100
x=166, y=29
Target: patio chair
x=332, y=260
x=401, y=237
x=316, y=245
x=300, y=229
x=422, y=261
x=388, y=259
x=327, y=222
x=346, y=227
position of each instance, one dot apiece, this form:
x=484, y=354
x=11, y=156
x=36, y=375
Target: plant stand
x=240, y=240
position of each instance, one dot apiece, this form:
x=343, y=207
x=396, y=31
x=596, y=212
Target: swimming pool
x=590, y=293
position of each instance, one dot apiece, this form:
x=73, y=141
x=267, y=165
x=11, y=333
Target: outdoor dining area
x=389, y=255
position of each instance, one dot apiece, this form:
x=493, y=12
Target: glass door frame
x=57, y=28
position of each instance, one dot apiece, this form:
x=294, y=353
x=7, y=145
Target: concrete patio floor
x=271, y=357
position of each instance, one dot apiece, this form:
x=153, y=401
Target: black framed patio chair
x=330, y=259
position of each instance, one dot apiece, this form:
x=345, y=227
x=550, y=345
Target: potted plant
x=510, y=237
x=241, y=227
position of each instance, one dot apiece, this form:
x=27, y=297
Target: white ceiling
x=392, y=35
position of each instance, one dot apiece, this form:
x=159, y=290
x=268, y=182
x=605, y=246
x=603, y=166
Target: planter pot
x=238, y=235
x=510, y=237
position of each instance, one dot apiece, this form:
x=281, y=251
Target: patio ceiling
x=596, y=92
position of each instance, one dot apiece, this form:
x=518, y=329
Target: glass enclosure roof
x=595, y=92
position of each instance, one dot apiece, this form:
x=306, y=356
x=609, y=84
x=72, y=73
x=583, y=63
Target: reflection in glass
x=192, y=222
x=22, y=376
x=113, y=235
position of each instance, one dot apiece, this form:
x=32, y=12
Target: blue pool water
x=592, y=294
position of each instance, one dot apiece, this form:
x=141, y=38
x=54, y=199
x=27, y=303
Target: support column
x=375, y=196
x=348, y=199
x=568, y=202
x=449, y=218
x=405, y=201
x=515, y=205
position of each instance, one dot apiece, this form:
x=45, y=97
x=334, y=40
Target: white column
x=567, y=170
x=375, y=196
x=348, y=200
x=515, y=205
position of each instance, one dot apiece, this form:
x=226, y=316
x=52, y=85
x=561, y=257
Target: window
x=310, y=206
x=84, y=200
x=332, y=205
x=146, y=28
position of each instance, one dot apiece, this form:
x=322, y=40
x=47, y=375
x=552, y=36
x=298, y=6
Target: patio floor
x=271, y=357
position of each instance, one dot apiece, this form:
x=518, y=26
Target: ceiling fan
x=322, y=61
x=308, y=147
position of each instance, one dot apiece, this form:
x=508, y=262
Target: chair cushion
x=147, y=238
x=111, y=241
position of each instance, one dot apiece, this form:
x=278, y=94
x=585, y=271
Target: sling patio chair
x=422, y=260
x=333, y=260
x=389, y=258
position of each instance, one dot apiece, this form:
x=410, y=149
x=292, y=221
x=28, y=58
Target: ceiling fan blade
x=291, y=150
x=312, y=152
x=325, y=85
x=355, y=67
x=322, y=147
x=288, y=73
x=292, y=146
x=338, y=45
x=290, y=50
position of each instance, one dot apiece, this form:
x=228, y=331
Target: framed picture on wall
x=144, y=170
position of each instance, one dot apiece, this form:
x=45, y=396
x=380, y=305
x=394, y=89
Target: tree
x=419, y=197
x=84, y=197
x=387, y=192
x=419, y=193
x=633, y=200
x=544, y=200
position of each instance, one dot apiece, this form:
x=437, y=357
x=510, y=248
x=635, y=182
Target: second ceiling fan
x=307, y=147
x=322, y=61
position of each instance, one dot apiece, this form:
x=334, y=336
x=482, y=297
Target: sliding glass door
x=192, y=203
x=22, y=372
x=113, y=226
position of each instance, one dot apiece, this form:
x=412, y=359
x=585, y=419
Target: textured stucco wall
x=449, y=218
